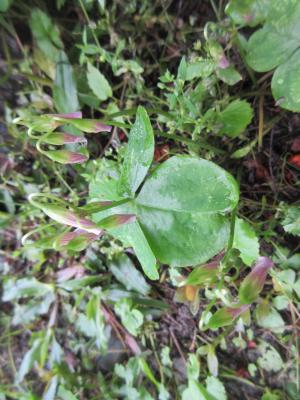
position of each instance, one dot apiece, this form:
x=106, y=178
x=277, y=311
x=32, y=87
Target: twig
x=177, y=345
x=261, y=121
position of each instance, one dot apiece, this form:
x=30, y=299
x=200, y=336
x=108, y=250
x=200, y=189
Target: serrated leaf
x=131, y=318
x=291, y=222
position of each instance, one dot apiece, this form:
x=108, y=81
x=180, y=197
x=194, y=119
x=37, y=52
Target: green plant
x=275, y=46
x=180, y=211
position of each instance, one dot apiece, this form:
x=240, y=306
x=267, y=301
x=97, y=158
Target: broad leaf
x=181, y=209
x=181, y=212
x=139, y=154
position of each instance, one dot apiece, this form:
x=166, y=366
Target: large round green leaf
x=189, y=184
x=181, y=210
x=286, y=83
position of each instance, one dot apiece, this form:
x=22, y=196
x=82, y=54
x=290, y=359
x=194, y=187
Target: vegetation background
x=219, y=81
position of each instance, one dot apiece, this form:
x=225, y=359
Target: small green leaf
x=139, y=154
x=199, y=69
x=201, y=275
x=143, y=251
x=225, y=316
x=215, y=387
x=196, y=391
x=269, y=318
x=270, y=359
x=246, y=241
x=235, y=118
x=126, y=273
x=46, y=34
x=65, y=91
x=291, y=222
x=182, y=69
x=131, y=318
x=64, y=394
x=212, y=360
x=29, y=359
x=228, y=75
x=98, y=83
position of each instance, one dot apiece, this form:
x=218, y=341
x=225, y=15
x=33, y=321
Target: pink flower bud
x=223, y=62
x=79, y=239
x=115, y=220
x=64, y=216
x=72, y=115
x=89, y=125
x=60, y=138
x=254, y=282
x=66, y=156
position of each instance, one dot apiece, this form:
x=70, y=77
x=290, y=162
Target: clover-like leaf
x=277, y=44
x=181, y=213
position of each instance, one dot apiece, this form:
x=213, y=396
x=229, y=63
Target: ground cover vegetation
x=149, y=199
